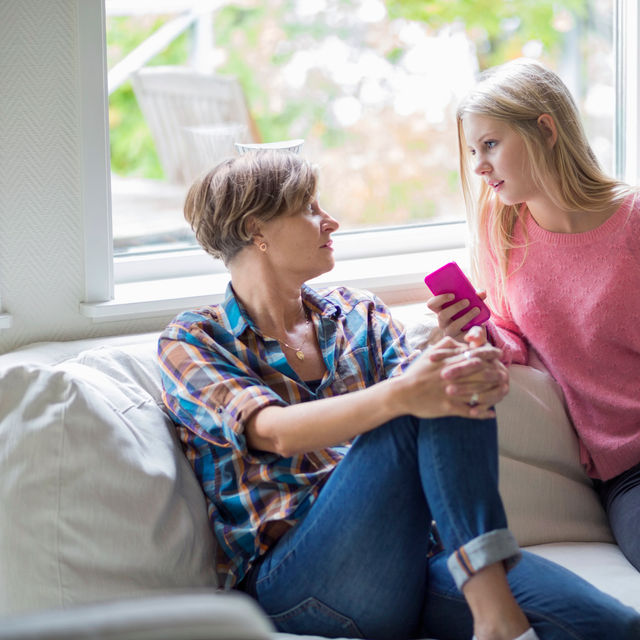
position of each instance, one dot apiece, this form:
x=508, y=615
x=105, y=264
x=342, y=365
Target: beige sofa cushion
x=547, y=494
x=96, y=499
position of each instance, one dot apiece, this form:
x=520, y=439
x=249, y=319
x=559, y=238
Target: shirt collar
x=239, y=319
x=319, y=304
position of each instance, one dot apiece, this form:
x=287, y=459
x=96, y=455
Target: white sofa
x=103, y=527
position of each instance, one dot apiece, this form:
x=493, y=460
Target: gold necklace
x=298, y=350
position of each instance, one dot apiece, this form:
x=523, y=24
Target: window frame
x=128, y=286
x=95, y=157
x=627, y=91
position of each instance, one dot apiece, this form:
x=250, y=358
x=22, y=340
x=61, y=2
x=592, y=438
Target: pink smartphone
x=451, y=279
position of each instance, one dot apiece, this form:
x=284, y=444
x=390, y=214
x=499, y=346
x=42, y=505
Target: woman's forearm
x=436, y=384
x=318, y=424
x=419, y=391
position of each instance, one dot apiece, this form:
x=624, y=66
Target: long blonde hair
x=518, y=93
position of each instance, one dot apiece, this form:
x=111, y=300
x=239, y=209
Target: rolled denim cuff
x=486, y=549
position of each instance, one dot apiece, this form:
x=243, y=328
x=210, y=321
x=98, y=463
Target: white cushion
x=135, y=365
x=547, y=494
x=190, y=615
x=96, y=499
x=601, y=564
x=53, y=353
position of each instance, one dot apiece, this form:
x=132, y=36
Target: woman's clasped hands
x=458, y=378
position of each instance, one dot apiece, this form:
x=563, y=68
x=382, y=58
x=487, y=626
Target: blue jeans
x=358, y=565
x=620, y=497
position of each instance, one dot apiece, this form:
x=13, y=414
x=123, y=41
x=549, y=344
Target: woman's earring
x=262, y=246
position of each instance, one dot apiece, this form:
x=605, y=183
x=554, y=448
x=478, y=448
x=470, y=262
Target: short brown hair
x=262, y=185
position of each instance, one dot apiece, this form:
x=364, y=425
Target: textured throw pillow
x=135, y=366
x=547, y=494
x=97, y=500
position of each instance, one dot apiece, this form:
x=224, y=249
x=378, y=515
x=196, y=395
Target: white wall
x=41, y=216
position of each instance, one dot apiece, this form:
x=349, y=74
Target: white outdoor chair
x=194, y=117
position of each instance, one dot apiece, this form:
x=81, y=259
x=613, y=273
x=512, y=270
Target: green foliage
x=233, y=20
x=409, y=195
x=499, y=29
x=240, y=31
x=453, y=179
x=132, y=148
x=395, y=55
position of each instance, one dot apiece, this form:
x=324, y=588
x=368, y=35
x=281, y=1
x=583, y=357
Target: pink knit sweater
x=576, y=301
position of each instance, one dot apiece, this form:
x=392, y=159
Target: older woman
x=326, y=447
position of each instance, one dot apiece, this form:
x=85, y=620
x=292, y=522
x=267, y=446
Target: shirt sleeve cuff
x=239, y=410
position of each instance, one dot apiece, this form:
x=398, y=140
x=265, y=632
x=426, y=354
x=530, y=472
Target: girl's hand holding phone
x=453, y=295
x=449, y=326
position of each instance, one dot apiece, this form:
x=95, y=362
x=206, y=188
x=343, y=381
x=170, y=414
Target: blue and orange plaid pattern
x=218, y=369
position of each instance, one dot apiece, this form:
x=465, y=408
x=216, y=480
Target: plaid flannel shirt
x=218, y=370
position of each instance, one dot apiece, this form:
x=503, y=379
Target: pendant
x=299, y=355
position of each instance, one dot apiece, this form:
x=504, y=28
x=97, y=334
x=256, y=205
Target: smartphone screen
x=451, y=279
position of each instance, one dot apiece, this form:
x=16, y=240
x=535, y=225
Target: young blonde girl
x=556, y=245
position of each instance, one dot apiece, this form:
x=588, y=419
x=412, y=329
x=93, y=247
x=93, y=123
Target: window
x=371, y=88
x=385, y=144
